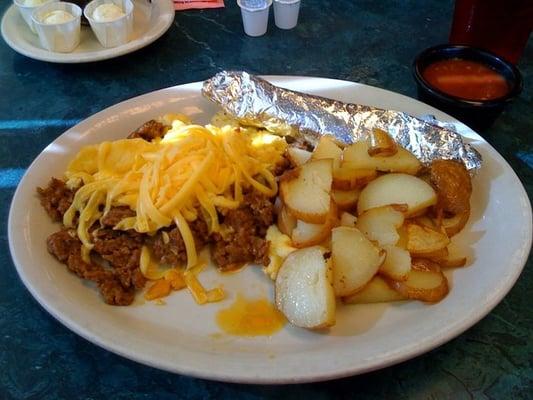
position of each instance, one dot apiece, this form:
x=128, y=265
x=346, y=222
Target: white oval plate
x=182, y=337
x=147, y=29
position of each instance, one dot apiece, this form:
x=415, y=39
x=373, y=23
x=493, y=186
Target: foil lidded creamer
x=254, y=101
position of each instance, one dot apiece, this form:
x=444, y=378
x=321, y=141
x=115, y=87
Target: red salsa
x=466, y=79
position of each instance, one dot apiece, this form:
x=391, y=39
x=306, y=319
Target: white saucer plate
x=148, y=27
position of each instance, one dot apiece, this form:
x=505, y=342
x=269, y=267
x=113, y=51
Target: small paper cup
x=63, y=37
x=144, y=6
x=113, y=33
x=286, y=13
x=254, y=19
x=27, y=11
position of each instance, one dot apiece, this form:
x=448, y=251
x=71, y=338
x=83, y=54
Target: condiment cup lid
x=286, y=1
x=254, y=5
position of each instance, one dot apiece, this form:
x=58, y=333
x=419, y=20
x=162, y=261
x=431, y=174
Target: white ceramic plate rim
x=465, y=318
x=161, y=25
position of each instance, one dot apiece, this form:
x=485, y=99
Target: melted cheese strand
x=209, y=207
x=188, y=239
x=88, y=216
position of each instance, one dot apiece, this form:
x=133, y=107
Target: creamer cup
x=286, y=13
x=255, y=16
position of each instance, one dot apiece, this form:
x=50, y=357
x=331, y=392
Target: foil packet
x=254, y=101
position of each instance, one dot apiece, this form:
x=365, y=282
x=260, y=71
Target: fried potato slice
x=375, y=291
x=345, y=199
x=455, y=224
x=397, y=189
x=428, y=286
x=286, y=221
x=328, y=149
x=347, y=178
x=356, y=156
x=348, y=220
x=304, y=293
x=422, y=240
x=397, y=264
x=437, y=255
x=453, y=262
x=424, y=264
x=355, y=260
x=402, y=233
x=457, y=256
x=305, y=234
x=381, y=223
x=306, y=190
x=452, y=182
x=298, y=156
x=381, y=144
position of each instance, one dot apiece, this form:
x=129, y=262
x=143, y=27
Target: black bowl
x=478, y=115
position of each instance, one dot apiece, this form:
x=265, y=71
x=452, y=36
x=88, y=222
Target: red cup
x=501, y=26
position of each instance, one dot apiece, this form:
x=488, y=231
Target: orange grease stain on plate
x=250, y=317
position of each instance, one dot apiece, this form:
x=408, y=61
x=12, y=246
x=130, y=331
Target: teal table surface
x=367, y=41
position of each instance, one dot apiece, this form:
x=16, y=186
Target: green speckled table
x=367, y=41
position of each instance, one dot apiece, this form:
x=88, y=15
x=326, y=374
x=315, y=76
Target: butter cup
x=62, y=37
x=27, y=11
x=113, y=33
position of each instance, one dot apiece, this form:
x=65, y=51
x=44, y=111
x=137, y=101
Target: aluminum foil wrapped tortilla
x=254, y=101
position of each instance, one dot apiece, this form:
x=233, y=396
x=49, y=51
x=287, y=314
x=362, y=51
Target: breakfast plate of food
x=150, y=20
x=177, y=235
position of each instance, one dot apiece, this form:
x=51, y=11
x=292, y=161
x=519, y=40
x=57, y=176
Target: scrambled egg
x=280, y=248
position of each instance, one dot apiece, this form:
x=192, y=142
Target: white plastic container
x=60, y=37
x=113, y=33
x=26, y=10
x=255, y=16
x=286, y=13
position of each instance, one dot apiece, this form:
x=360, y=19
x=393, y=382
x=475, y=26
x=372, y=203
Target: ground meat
x=122, y=249
x=256, y=209
x=174, y=252
x=231, y=252
x=56, y=198
x=66, y=247
x=149, y=131
x=115, y=294
x=117, y=214
x=245, y=239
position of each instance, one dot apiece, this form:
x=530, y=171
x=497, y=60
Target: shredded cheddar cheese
x=168, y=181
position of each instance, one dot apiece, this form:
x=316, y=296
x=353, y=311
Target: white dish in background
x=146, y=30
x=182, y=337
